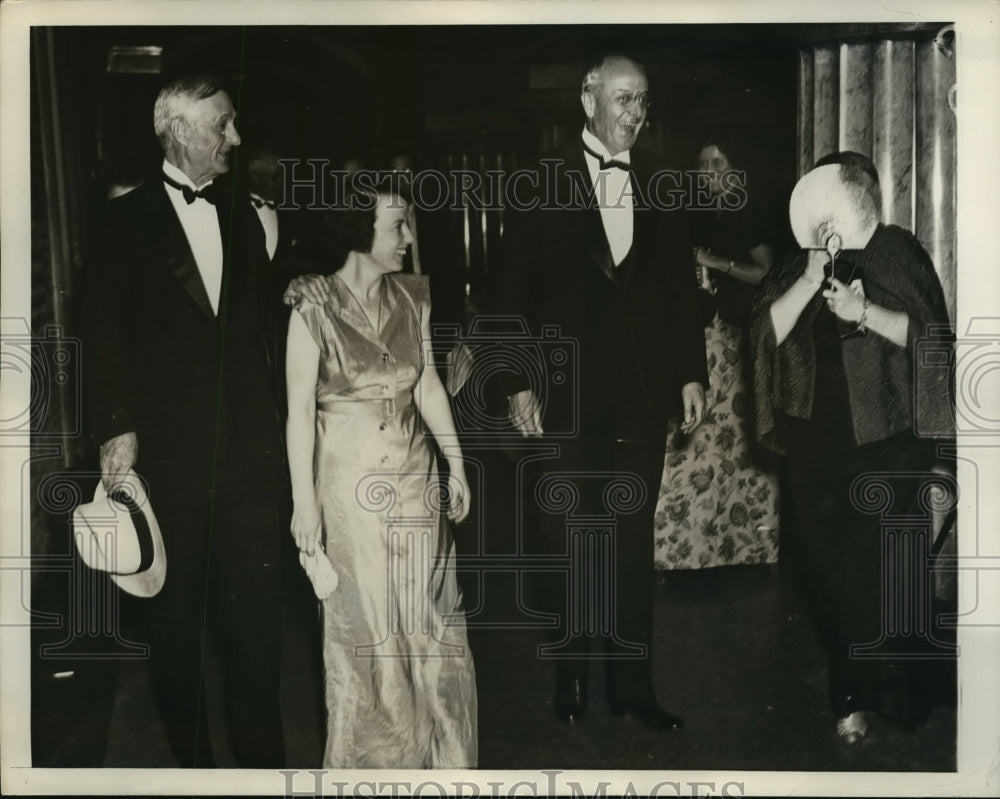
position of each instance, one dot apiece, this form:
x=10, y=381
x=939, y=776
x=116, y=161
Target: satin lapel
x=642, y=220
x=169, y=239
x=590, y=216
x=597, y=242
x=235, y=258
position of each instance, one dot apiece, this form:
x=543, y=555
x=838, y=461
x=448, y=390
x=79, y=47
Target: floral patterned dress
x=718, y=501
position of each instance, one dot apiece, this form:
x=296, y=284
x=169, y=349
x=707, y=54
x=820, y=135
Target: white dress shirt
x=201, y=227
x=614, y=196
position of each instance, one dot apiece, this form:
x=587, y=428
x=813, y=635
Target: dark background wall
x=369, y=91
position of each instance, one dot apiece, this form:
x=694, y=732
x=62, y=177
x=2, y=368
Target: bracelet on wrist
x=863, y=321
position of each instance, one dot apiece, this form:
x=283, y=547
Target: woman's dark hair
x=350, y=226
x=731, y=145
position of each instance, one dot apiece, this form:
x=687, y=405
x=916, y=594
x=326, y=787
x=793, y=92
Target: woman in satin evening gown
x=362, y=386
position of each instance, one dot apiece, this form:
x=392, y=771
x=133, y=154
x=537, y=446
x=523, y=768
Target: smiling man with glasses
x=615, y=275
x=615, y=99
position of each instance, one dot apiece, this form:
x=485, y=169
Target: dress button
x=385, y=357
x=382, y=426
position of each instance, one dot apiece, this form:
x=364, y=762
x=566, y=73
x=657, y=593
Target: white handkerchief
x=320, y=572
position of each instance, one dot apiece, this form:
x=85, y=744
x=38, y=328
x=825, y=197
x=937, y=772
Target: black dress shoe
x=570, y=701
x=651, y=716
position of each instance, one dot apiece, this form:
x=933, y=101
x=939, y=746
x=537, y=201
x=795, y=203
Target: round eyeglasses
x=627, y=100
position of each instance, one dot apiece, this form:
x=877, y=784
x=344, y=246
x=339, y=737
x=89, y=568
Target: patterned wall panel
x=892, y=152
x=935, y=158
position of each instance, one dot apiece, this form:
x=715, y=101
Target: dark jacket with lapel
x=194, y=386
x=556, y=269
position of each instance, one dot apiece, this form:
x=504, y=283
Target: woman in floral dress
x=718, y=501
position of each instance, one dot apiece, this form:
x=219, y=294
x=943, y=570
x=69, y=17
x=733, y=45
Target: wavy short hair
x=350, y=226
x=175, y=98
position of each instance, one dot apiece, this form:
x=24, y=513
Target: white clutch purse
x=320, y=572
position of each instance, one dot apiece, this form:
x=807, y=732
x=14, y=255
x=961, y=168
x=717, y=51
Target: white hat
x=118, y=534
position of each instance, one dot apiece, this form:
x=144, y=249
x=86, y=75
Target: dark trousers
x=848, y=500
x=596, y=503
x=225, y=555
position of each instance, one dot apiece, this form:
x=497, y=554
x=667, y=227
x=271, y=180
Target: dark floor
x=735, y=655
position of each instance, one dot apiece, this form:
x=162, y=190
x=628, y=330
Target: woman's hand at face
x=306, y=526
x=816, y=266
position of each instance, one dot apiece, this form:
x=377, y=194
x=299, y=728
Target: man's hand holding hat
x=118, y=455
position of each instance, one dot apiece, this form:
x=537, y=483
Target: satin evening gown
x=399, y=676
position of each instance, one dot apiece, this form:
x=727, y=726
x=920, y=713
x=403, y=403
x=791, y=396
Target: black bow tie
x=609, y=163
x=190, y=195
x=260, y=202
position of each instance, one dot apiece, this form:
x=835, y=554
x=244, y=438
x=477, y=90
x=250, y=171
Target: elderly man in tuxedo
x=599, y=253
x=178, y=387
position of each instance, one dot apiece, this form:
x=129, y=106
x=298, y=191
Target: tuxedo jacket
x=194, y=385
x=557, y=269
